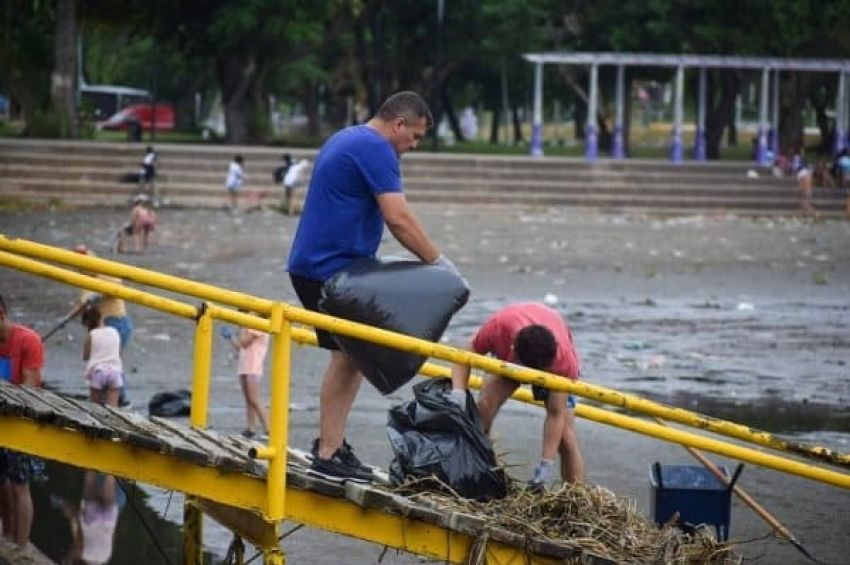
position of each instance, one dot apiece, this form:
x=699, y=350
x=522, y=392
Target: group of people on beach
x=290, y=174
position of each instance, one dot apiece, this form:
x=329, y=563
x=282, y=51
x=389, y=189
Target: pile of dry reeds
x=589, y=517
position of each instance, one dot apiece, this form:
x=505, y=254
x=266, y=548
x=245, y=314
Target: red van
x=142, y=115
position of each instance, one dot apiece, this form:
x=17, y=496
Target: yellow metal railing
x=276, y=318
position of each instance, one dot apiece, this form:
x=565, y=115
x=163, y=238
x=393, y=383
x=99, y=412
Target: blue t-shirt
x=341, y=220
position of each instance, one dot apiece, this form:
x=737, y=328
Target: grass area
x=647, y=143
x=161, y=136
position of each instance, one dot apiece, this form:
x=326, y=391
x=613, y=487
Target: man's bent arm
x=405, y=226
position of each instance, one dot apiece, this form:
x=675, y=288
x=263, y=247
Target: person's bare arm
x=31, y=377
x=405, y=226
x=87, y=348
x=460, y=374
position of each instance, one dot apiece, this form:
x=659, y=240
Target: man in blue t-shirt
x=355, y=188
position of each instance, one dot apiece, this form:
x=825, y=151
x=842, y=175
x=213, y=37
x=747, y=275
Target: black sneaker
x=346, y=453
x=338, y=470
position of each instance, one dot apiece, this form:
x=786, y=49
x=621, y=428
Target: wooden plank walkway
x=209, y=449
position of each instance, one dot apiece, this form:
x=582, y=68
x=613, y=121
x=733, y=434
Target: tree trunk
x=311, y=108
x=824, y=125
x=450, y=114
x=518, y=137
x=235, y=73
x=63, y=81
x=494, y=124
x=791, y=112
x=718, y=117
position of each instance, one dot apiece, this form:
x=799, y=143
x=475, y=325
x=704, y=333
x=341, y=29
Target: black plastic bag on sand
x=170, y=403
x=403, y=296
x=432, y=436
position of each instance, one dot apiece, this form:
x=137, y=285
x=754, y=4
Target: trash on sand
x=752, y=174
x=161, y=337
x=745, y=306
x=652, y=363
x=636, y=345
x=550, y=299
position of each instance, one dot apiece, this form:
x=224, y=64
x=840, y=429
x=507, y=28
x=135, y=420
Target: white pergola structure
x=768, y=125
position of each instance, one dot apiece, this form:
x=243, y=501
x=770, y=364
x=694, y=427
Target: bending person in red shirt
x=21, y=360
x=535, y=336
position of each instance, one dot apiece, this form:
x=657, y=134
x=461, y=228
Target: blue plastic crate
x=695, y=493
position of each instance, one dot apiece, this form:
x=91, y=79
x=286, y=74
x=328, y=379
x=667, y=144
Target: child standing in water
x=102, y=354
x=252, y=346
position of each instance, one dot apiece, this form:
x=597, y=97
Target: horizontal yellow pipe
x=552, y=382
x=136, y=274
x=97, y=285
x=429, y=349
x=124, y=460
x=129, y=294
x=646, y=428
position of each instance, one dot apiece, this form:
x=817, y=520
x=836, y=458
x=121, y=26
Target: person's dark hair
x=287, y=158
x=535, y=347
x=149, y=149
x=91, y=317
x=238, y=159
x=2, y=304
x=408, y=105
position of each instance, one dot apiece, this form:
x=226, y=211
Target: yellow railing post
x=279, y=416
x=201, y=372
x=193, y=551
x=193, y=518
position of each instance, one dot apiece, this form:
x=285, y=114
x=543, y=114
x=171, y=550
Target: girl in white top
x=235, y=177
x=102, y=354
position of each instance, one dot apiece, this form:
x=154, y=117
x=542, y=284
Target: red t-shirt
x=498, y=333
x=21, y=351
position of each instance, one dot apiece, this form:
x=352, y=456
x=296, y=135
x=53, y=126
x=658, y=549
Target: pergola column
x=774, y=119
x=591, y=136
x=840, y=113
x=537, y=122
x=619, y=148
x=699, y=140
x=678, y=114
x=761, y=149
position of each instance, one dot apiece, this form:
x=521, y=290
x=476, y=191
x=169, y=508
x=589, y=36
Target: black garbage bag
x=170, y=403
x=399, y=295
x=432, y=436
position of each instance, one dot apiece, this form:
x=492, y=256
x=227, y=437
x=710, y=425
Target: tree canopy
x=332, y=56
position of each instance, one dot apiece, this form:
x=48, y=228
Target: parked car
x=141, y=115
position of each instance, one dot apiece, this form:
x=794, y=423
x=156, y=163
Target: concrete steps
x=89, y=173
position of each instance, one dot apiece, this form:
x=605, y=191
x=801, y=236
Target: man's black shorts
x=309, y=291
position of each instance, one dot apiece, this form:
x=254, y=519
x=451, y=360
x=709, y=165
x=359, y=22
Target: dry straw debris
x=588, y=517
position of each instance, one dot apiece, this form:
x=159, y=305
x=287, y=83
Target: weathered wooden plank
x=465, y=523
x=77, y=414
x=219, y=441
x=28, y=406
x=181, y=438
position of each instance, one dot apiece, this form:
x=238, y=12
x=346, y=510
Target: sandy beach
x=740, y=318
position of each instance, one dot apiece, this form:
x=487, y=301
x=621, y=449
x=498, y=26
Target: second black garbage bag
x=399, y=295
x=432, y=436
